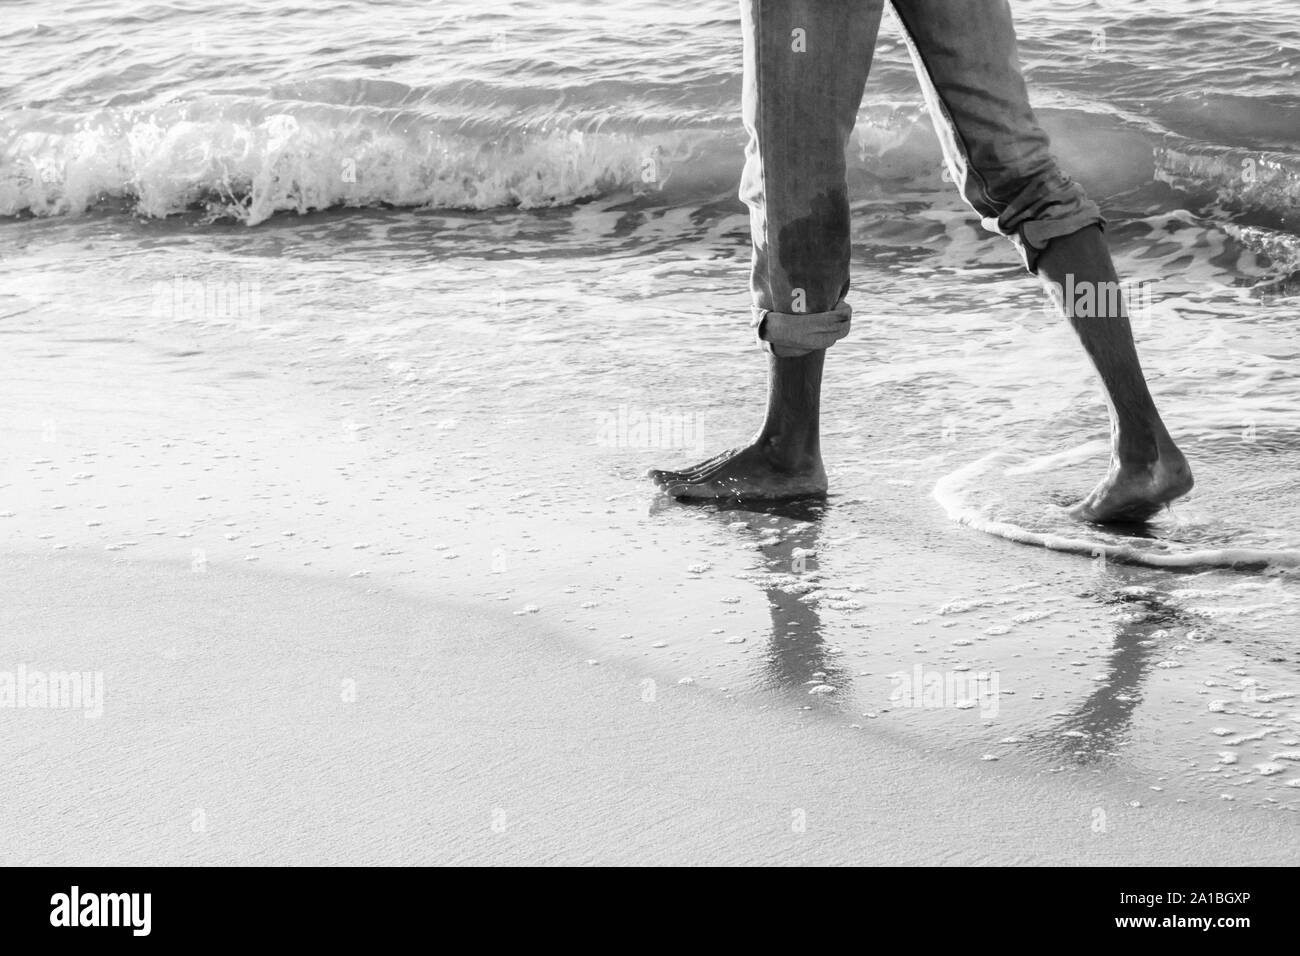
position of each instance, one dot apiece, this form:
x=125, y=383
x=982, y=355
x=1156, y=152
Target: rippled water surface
x=433, y=220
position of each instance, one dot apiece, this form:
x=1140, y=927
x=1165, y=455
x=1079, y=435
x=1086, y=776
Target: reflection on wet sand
x=1099, y=726
x=798, y=660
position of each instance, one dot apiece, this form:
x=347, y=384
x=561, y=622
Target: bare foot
x=763, y=470
x=1136, y=492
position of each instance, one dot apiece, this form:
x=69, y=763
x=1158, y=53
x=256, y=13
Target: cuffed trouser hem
x=787, y=335
x=806, y=64
x=994, y=148
x=1036, y=234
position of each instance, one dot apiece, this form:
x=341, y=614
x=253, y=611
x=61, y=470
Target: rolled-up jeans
x=806, y=65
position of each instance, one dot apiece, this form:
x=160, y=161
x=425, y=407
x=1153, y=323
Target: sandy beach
x=289, y=678
x=335, y=352
x=228, y=737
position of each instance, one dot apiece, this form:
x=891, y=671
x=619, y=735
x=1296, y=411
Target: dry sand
x=230, y=734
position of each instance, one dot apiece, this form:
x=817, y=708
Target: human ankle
x=791, y=449
x=1138, y=451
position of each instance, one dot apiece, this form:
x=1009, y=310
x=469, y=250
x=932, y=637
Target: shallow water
x=506, y=466
x=503, y=355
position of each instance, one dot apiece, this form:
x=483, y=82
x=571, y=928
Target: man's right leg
x=965, y=53
x=1147, y=470
x=806, y=63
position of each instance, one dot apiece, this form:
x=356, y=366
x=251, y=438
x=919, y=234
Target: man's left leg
x=806, y=63
x=965, y=55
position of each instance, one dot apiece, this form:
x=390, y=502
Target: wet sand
x=339, y=505
x=231, y=522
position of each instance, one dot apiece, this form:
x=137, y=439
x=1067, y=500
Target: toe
x=663, y=477
x=690, y=490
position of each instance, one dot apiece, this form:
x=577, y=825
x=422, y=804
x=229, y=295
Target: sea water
x=500, y=244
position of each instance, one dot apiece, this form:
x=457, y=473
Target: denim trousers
x=805, y=68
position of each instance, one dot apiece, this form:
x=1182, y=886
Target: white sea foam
x=958, y=492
